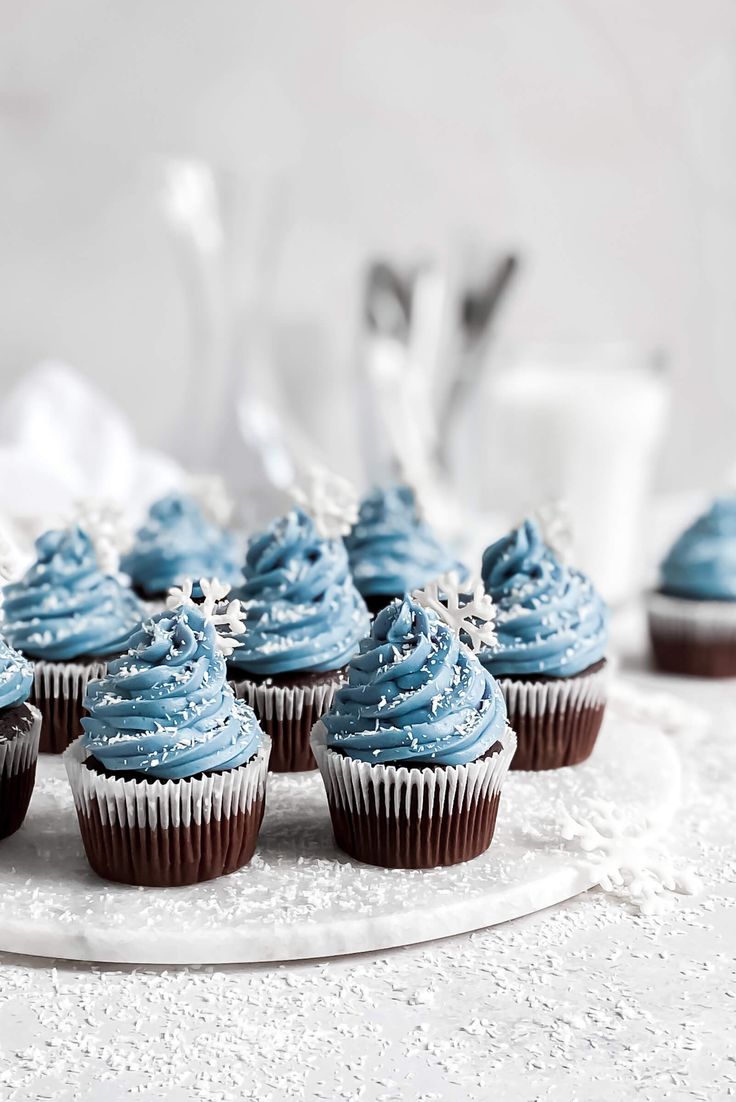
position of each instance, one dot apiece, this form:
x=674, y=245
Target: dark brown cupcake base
x=16, y=788
x=15, y=796
x=168, y=857
x=412, y=841
x=555, y=739
x=701, y=658
x=290, y=748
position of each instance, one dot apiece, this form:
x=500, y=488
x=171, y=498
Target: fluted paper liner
x=58, y=691
x=164, y=833
x=693, y=637
x=406, y=817
x=18, y=757
x=288, y=713
x=556, y=721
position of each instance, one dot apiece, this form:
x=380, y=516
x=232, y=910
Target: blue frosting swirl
x=178, y=542
x=391, y=550
x=64, y=607
x=166, y=708
x=16, y=676
x=550, y=619
x=415, y=695
x=702, y=562
x=303, y=612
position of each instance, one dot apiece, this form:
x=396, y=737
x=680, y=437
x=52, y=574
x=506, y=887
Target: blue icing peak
x=165, y=708
x=303, y=612
x=702, y=562
x=550, y=619
x=177, y=542
x=16, y=676
x=64, y=607
x=391, y=549
x=415, y=695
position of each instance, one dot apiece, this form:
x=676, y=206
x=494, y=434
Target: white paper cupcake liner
x=288, y=714
x=565, y=694
x=18, y=754
x=65, y=680
x=692, y=621
x=360, y=786
x=139, y=803
x=58, y=690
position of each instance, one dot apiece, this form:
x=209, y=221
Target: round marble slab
x=300, y=897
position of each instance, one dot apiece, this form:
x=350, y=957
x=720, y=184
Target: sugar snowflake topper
x=107, y=526
x=465, y=607
x=330, y=500
x=211, y=494
x=214, y=609
x=555, y=520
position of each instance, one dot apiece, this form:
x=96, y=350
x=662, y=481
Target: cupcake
x=69, y=617
x=178, y=542
x=692, y=616
x=552, y=630
x=304, y=620
x=20, y=727
x=169, y=777
x=392, y=551
x=415, y=747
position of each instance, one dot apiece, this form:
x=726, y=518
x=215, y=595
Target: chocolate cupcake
x=69, y=617
x=178, y=542
x=415, y=747
x=692, y=616
x=169, y=777
x=392, y=551
x=304, y=620
x=552, y=630
x=20, y=727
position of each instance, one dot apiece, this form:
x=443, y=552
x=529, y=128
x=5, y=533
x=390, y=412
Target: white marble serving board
x=300, y=897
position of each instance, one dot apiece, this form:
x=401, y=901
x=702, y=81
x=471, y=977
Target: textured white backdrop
x=600, y=138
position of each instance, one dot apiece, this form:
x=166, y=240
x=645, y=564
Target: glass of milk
x=580, y=424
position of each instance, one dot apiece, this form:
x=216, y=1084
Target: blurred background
x=193, y=195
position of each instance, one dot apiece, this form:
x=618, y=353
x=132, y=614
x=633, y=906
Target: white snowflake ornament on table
x=555, y=520
x=330, y=500
x=465, y=607
x=107, y=526
x=213, y=608
x=624, y=866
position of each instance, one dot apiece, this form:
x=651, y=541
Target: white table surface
x=589, y=1000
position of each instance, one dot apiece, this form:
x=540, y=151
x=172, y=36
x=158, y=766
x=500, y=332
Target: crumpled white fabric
x=62, y=440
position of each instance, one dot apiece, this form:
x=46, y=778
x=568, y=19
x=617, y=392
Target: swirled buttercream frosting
x=415, y=695
x=391, y=549
x=16, y=677
x=64, y=607
x=165, y=708
x=178, y=542
x=702, y=562
x=550, y=621
x=303, y=612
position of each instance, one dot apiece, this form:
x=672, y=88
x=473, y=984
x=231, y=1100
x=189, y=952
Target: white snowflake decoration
x=211, y=494
x=555, y=520
x=622, y=865
x=107, y=527
x=213, y=608
x=330, y=500
x=475, y=617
